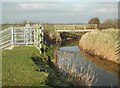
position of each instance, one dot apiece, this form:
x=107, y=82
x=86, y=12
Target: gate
x=5, y=38
x=16, y=36
x=22, y=35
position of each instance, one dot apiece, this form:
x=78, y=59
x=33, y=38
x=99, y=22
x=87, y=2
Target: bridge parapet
x=88, y=30
x=75, y=27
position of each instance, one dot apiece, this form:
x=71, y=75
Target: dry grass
x=102, y=43
x=88, y=76
x=84, y=77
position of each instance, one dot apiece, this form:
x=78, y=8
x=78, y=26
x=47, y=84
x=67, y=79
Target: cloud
x=42, y=6
x=60, y=0
x=106, y=8
x=70, y=7
x=31, y=1
x=58, y=11
x=57, y=8
x=32, y=6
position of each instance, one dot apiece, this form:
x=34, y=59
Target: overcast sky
x=58, y=12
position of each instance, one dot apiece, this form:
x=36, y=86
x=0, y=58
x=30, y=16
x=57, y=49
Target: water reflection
x=69, y=65
x=71, y=62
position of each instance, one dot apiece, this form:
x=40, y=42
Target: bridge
x=75, y=28
x=89, y=30
x=66, y=30
x=34, y=35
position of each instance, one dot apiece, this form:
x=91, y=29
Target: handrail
x=5, y=42
x=9, y=35
x=5, y=45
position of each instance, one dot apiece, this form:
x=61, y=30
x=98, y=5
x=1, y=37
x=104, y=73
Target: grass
x=18, y=65
x=21, y=65
x=102, y=43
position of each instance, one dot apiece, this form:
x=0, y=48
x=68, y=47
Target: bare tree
x=109, y=23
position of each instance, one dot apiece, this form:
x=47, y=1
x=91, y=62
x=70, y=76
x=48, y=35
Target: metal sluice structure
x=27, y=35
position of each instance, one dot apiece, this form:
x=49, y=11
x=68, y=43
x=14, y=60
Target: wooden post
x=74, y=27
x=55, y=27
x=32, y=31
x=84, y=27
x=24, y=36
x=95, y=26
x=42, y=34
x=12, y=34
x=40, y=39
x=30, y=35
x=64, y=27
x=34, y=37
x=38, y=33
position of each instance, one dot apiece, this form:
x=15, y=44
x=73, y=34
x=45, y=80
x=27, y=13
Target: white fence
x=38, y=37
x=6, y=38
x=21, y=35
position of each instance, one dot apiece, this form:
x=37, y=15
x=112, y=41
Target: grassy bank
x=101, y=43
x=19, y=69
x=23, y=66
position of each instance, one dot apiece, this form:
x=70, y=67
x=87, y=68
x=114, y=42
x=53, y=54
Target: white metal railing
x=22, y=35
x=5, y=45
x=38, y=37
x=16, y=35
x=1, y=44
x=5, y=38
x=75, y=30
x=75, y=27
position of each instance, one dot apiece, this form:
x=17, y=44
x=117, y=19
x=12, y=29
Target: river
x=70, y=60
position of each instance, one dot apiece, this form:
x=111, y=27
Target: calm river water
x=70, y=59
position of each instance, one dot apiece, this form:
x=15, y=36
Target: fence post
x=55, y=27
x=42, y=34
x=84, y=27
x=24, y=36
x=74, y=27
x=64, y=27
x=31, y=35
x=40, y=39
x=95, y=26
x=34, y=40
x=12, y=34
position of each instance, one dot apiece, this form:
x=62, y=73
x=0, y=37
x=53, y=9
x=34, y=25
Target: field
x=20, y=67
x=4, y=26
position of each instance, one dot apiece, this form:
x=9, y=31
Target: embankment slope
x=101, y=43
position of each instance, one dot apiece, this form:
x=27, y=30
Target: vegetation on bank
x=24, y=66
x=101, y=43
x=4, y=26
